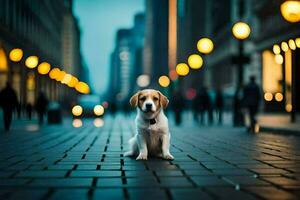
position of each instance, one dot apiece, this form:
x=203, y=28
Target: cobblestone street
x=63, y=162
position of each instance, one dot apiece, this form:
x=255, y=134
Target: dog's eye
x=155, y=99
x=143, y=98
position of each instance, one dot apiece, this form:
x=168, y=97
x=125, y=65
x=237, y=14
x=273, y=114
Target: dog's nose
x=148, y=106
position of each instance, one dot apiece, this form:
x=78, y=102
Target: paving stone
x=147, y=194
x=189, y=193
x=62, y=182
x=209, y=181
x=42, y=173
x=108, y=194
x=109, y=182
x=90, y=173
x=271, y=193
x=69, y=194
x=229, y=193
x=29, y=194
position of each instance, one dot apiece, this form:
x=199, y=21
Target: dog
x=152, y=136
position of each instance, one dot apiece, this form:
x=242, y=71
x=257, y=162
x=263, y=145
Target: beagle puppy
x=152, y=132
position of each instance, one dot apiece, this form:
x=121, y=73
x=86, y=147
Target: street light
x=143, y=80
x=241, y=30
x=54, y=73
x=195, y=61
x=98, y=110
x=32, y=61
x=73, y=81
x=44, y=68
x=16, y=55
x=164, y=81
x=205, y=45
x=182, y=69
x=276, y=49
x=290, y=11
x=77, y=110
x=82, y=87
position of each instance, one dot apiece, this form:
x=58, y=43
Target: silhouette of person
x=251, y=99
x=29, y=110
x=41, y=107
x=203, y=105
x=219, y=104
x=177, y=106
x=113, y=108
x=8, y=102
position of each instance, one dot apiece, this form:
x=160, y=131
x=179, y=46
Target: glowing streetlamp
x=182, y=69
x=241, y=30
x=54, y=73
x=164, y=81
x=66, y=79
x=290, y=11
x=98, y=110
x=32, y=61
x=60, y=75
x=73, y=82
x=16, y=55
x=143, y=80
x=77, y=110
x=195, y=61
x=82, y=87
x=276, y=49
x=44, y=68
x=205, y=45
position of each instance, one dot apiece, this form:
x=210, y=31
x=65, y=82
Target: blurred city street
x=84, y=160
x=74, y=75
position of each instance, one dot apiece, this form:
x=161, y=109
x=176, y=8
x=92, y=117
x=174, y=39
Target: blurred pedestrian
x=177, y=106
x=113, y=108
x=8, y=102
x=251, y=99
x=41, y=107
x=29, y=110
x=202, y=106
x=219, y=104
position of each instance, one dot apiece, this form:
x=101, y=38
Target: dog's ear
x=134, y=99
x=164, y=101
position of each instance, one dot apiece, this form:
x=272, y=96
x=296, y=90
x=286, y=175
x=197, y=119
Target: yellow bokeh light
x=60, y=76
x=284, y=46
x=290, y=10
x=164, y=81
x=66, y=79
x=205, y=45
x=289, y=107
x=16, y=55
x=32, y=61
x=182, y=69
x=292, y=44
x=73, y=82
x=297, y=41
x=268, y=96
x=278, y=97
x=279, y=59
x=195, y=61
x=276, y=49
x=44, y=68
x=77, y=110
x=55, y=72
x=82, y=88
x=98, y=110
x=241, y=30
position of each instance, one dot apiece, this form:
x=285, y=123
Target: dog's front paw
x=168, y=156
x=142, y=157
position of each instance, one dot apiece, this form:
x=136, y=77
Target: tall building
x=155, y=52
x=36, y=29
x=126, y=61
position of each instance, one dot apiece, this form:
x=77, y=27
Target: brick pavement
x=62, y=162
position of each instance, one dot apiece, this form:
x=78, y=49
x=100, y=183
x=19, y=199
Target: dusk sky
x=99, y=21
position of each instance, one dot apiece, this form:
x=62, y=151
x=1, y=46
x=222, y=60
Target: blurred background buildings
x=161, y=38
